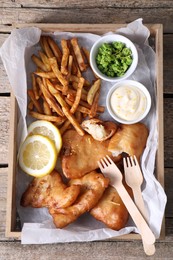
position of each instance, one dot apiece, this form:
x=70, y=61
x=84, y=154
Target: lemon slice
x=38, y=155
x=47, y=129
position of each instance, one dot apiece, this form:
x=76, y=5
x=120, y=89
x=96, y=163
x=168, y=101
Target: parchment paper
x=38, y=227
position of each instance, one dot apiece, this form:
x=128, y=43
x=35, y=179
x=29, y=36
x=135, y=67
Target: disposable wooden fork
x=110, y=170
x=134, y=179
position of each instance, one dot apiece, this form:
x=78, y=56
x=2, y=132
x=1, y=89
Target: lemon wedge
x=47, y=129
x=38, y=155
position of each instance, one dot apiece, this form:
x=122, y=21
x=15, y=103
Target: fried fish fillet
x=49, y=191
x=81, y=153
x=100, y=130
x=92, y=186
x=130, y=139
x=111, y=210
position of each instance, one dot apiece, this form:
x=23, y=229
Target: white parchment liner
x=38, y=227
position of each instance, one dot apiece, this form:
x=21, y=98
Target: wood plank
x=168, y=63
x=4, y=82
x=4, y=128
x=3, y=196
x=89, y=251
x=169, y=229
x=168, y=189
x=88, y=3
x=168, y=130
x=94, y=15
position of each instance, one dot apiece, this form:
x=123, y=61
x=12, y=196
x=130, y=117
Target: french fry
x=74, y=78
x=46, y=47
x=40, y=116
x=78, y=95
x=100, y=109
x=70, y=91
x=65, y=126
x=66, y=111
x=49, y=98
x=87, y=55
x=54, y=81
x=55, y=49
x=82, y=103
x=70, y=64
x=75, y=86
x=75, y=67
x=46, y=108
x=81, y=109
x=91, y=93
x=38, y=70
x=47, y=75
x=78, y=116
x=66, y=87
x=45, y=60
x=85, y=115
x=34, y=100
x=34, y=87
x=31, y=105
x=94, y=105
x=65, y=57
x=38, y=62
x=57, y=72
x=78, y=54
x=56, y=86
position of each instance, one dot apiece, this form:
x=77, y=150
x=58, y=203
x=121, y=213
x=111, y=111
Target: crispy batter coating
x=130, y=139
x=49, y=191
x=111, y=210
x=92, y=186
x=81, y=153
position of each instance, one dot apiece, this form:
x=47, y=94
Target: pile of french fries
x=60, y=93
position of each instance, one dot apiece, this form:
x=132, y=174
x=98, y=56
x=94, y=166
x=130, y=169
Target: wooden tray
x=156, y=37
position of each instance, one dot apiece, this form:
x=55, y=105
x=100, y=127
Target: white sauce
x=128, y=102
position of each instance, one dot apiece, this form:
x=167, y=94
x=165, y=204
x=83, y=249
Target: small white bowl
x=135, y=85
x=108, y=39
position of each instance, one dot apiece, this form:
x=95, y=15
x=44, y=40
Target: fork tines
x=105, y=161
x=130, y=161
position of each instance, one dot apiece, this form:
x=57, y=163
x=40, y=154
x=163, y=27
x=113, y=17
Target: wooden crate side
x=159, y=81
x=11, y=185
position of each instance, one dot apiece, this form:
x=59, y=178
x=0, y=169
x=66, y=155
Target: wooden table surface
x=103, y=11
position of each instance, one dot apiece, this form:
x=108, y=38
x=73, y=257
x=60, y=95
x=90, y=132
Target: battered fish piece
x=50, y=191
x=81, y=153
x=111, y=210
x=100, y=130
x=92, y=186
x=130, y=139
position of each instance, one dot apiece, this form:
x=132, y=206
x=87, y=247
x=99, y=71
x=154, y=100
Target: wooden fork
x=134, y=179
x=110, y=170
